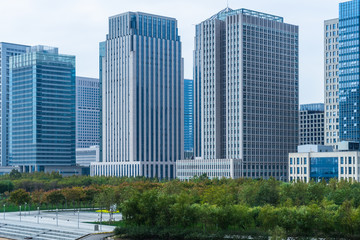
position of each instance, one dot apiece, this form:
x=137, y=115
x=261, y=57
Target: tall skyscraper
x=142, y=97
x=331, y=86
x=6, y=51
x=246, y=91
x=311, y=124
x=87, y=112
x=188, y=116
x=349, y=90
x=42, y=109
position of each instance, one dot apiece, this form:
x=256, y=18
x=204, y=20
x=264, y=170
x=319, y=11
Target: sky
x=77, y=26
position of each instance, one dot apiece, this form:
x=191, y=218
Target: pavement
x=64, y=225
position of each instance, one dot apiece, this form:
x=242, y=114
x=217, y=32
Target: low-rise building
x=214, y=168
x=85, y=156
x=317, y=165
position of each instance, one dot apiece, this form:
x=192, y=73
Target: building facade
x=216, y=168
x=87, y=112
x=85, y=156
x=349, y=90
x=331, y=81
x=42, y=110
x=6, y=51
x=311, y=124
x=188, y=116
x=315, y=165
x=246, y=91
x=142, y=97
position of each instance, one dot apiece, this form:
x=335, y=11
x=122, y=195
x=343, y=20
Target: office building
x=349, y=92
x=246, y=91
x=142, y=97
x=42, y=110
x=331, y=87
x=311, y=124
x=6, y=51
x=322, y=163
x=87, y=112
x=188, y=117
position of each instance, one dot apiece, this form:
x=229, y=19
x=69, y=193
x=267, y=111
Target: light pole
x=20, y=212
x=57, y=221
x=101, y=219
x=4, y=211
x=25, y=209
x=38, y=214
x=78, y=219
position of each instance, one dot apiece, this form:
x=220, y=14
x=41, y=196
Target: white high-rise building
x=331, y=81
x=245, y=94
x=142, y=97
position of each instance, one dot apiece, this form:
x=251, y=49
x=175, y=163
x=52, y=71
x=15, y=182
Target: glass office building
x=246, y=90
x=324, y=168
x=42, y=109
x=87, y=112
x=188, y=115
x=6, y=51
x=349, y=91
x=142, y=97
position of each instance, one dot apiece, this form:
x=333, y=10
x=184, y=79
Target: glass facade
x=42, y=109
x=7, y=50
x=324, y=168
x=349, y=92
x=87, y=112
x=188, y=115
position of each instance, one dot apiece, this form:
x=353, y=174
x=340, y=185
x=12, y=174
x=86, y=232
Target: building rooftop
x=312, y=107
x=229, y=12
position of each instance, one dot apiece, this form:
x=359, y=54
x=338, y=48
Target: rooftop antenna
x=227, y=3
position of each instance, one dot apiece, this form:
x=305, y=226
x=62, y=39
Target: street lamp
x=57, y=221
x=38, y=214
x=20, y=212
x=25, y=209
x=4, y=211
x=78, y=219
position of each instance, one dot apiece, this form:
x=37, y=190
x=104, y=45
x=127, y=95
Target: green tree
x=19, y=197
x=6, y=186
x=54, y=197
x=15, y=174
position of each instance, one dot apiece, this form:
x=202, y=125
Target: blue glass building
x=349, y=95
x=188, y=115
x=42, y=109
x=6, y=51
x=324, y=168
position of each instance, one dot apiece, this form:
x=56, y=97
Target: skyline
x=77, y=27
